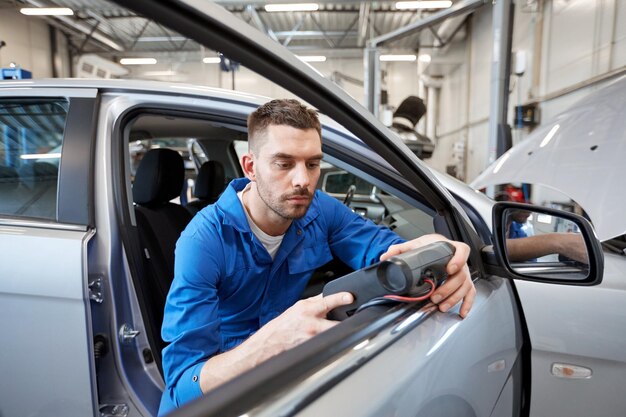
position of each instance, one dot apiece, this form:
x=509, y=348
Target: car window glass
x=378, y=204
x=241, y=148
x=340, y=182
x=198, y=155
x=31, y=137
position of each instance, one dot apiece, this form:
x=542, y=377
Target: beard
x=280, y=204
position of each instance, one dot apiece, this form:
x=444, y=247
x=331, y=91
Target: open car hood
x=581, y=153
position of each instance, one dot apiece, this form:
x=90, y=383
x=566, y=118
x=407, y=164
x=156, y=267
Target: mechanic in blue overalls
x=242, y=263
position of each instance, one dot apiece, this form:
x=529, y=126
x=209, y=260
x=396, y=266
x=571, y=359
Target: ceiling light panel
x=295, y=7
x=312, y=58
x=426, y=4
x=46, y=11
x=398, y=58
x=161, y=39
x=424, y=58
x=138, y=61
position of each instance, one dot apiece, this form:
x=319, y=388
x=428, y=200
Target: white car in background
x=579, y=155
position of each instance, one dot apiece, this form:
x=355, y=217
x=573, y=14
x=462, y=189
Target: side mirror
x=542, y=244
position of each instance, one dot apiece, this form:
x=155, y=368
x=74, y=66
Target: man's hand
x=528, y=248
x=296, y=325
x=458, y=286
x=300, y=322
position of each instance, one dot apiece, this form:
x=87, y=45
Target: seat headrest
x=210, y=181
x=159, y=177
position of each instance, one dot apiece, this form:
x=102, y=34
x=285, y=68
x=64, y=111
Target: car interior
x=178, y=165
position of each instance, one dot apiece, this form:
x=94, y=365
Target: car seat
x=209, y=185
x=158, y=180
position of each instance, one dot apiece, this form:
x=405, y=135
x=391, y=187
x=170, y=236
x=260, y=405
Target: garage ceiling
x=341, y=28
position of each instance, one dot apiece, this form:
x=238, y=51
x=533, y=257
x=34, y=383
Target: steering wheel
x=349, y=195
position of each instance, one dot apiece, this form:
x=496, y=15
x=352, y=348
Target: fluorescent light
x=549, y=136
x=424, y=58
x=296, y=7
x=41, y=156
x=47, y=11
x=312, y=58
x=138, y=61
x=211, y=60
x=159, y=73
x=398, y=58
x=431, y=4
x=161, y=39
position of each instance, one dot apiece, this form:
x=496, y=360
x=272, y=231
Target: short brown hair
x=288, y=112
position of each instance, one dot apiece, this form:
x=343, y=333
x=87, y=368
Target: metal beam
x=324, y=33
x=371, y=63
x=348, y=31
x=364, y=17
x=145, y=25
x=88, y=37
x=499, y=130
x=314, y=34
x=54, y=52
x=259, y=23
x=106, y=22
x=294, y=30
x=459, y=8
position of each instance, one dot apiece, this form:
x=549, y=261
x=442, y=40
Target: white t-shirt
x=271, y=243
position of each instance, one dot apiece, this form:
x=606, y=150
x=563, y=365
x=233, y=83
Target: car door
x=45, y=230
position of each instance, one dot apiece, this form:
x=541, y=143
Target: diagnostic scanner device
x=400, y=275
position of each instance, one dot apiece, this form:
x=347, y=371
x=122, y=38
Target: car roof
x=580, y=153
x=132, y=85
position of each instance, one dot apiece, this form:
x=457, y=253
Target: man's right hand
x=296, y=325
x=299, y=323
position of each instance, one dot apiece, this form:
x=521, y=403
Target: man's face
x=520, y=216
x=287, y=167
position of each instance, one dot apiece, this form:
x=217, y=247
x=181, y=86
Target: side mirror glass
x=542, y=244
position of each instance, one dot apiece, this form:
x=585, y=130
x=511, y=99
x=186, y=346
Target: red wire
x=413, y=299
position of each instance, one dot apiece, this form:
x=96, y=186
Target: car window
x=31, y=138
x=241, y=148
x=340, y=181
x=197, y=153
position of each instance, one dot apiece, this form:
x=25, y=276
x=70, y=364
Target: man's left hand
x=458, y=286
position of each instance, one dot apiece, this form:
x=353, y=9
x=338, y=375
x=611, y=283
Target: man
x=517, y=222
x=242, y=263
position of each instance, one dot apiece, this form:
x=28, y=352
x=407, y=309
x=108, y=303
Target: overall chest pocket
x=309, y=258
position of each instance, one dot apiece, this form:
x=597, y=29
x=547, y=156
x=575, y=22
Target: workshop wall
x=27, y=43
x=401, y=79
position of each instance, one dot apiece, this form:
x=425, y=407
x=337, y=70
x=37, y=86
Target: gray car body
x=52, y=322
x=424, y=363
